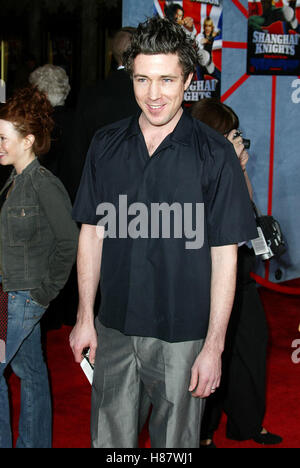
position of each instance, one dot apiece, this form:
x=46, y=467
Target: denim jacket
x=39, y=238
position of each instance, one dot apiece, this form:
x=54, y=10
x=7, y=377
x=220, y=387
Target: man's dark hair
x=171, y=10
x=161, y=36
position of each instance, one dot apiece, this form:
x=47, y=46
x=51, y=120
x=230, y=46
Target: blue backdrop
x=263, y=104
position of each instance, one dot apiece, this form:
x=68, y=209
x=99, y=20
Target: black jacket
x=108, y=101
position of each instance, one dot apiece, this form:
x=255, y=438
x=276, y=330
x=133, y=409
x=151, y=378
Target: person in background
x=38, y=245
x=54, y=82
x=165, y=304
x=110, y=100
x=242, y=394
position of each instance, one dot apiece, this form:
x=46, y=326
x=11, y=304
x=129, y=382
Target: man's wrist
x=214, y=345
x=85, y=316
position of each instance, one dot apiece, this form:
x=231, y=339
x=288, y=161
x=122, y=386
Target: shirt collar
x=182, y=133
x=134, y=127
x=183, y=130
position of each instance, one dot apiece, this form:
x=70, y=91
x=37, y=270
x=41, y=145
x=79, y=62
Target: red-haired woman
x=38, y=243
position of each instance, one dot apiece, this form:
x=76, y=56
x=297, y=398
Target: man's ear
x=188, y=81
x=29, y=141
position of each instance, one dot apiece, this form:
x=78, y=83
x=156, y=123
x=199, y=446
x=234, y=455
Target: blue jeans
x=24, y=353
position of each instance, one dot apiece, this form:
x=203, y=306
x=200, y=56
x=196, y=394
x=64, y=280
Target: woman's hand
x=243, y=156
x=241, y=153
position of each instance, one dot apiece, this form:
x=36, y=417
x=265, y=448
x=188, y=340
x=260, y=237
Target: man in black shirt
x=172, y=197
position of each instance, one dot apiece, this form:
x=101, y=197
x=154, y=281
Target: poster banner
x=202, y=21
x=273, y=37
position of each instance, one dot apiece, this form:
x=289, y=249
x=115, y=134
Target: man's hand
x=83, y=336
x=88, y=268
x=206, y=374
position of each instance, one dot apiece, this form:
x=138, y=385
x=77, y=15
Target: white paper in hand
x=87, y=368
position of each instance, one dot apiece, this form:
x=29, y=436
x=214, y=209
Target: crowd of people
x=180, y=331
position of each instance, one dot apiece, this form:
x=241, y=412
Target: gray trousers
x=133, y=373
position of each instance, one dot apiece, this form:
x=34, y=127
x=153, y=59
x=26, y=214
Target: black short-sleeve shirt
x=151, y=284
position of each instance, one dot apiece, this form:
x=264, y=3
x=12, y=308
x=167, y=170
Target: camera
x=270, y=242
x=246, y=142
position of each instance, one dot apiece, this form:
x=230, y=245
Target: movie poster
x=274, y=37
x=202, y=21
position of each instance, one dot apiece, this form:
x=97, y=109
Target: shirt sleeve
x=87, y=198
x=229, y=213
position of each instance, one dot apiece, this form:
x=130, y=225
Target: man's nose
x=154, y=90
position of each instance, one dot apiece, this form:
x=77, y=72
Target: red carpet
x=71, y=390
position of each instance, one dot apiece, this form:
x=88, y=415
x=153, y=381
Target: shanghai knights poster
x=273, y=37
x=202, y=21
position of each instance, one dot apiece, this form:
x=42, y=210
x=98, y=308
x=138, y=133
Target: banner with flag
x=202, y=21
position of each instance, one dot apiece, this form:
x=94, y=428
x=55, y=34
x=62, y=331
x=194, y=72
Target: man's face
x=159, y=87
